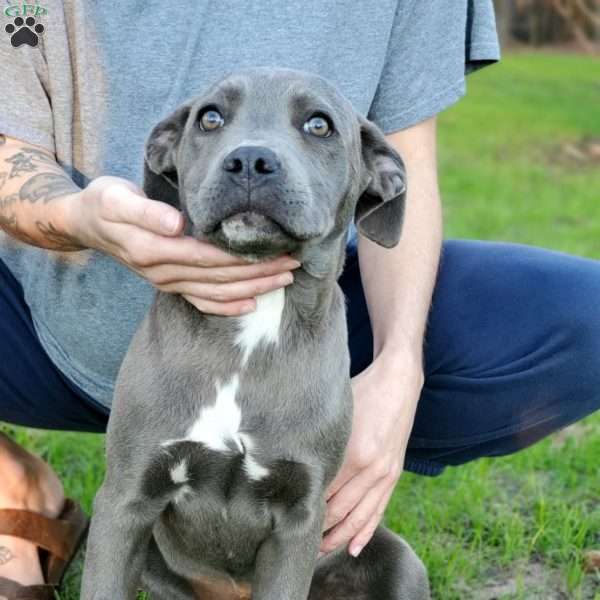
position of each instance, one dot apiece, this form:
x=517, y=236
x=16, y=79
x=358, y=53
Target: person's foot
x=28, y=484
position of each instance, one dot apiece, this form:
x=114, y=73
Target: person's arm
x=399, y=282
x=398, y=285
x=33, y=196
x=40, y=205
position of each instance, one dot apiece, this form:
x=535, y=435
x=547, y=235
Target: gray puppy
x=226, y=431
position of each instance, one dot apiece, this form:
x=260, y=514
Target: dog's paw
x=24, y=32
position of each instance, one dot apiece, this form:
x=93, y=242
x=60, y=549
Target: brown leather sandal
x=58, y=541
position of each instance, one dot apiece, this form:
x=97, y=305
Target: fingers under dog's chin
x=222, y=309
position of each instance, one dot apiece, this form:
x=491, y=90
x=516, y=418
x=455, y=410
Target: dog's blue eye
x=319, y=126
x=211, y=119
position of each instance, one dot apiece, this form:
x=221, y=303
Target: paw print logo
x=24, y=32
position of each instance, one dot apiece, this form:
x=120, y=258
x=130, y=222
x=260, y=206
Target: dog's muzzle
x=250, y=227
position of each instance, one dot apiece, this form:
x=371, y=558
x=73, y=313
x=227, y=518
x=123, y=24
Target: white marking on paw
x=182, y=492
x=220, y=422
x=215, y=427
x=262, y=324
x=253, y=469
x=179, y=473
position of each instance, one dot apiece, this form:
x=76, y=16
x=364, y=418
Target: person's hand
x=114, y=215
x=385, y=399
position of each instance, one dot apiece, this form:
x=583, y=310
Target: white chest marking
x=262, y=324
x=219, y=423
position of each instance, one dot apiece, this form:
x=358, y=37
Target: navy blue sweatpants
x=512, y=354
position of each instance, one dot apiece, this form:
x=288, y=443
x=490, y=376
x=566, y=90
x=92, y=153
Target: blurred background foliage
x=566, y=23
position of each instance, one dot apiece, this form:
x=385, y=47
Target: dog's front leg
x=285, y=562
x=116, y=550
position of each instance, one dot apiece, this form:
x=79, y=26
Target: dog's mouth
x=247, y=225
x=253, y=233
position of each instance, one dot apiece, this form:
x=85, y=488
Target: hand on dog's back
x=114, y=215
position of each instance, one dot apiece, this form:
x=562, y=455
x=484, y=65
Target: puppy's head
x=268, y=161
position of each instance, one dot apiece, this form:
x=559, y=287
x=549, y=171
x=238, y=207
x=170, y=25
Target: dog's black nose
x=251, y=163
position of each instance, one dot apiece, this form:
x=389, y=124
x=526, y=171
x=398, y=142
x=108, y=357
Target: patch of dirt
x=533, y=581
x=584, y=152
x=575, y=432
x=591, y=561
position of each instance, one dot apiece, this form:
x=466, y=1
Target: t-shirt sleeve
x=26, y=111
x=433, y=45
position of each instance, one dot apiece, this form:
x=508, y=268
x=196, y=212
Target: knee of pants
x=573, y=395
x=573, y=388
x=579, y=367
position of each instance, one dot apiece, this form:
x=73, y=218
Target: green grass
x=527, y=519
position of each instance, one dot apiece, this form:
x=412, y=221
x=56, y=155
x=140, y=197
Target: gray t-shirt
x=105, y=73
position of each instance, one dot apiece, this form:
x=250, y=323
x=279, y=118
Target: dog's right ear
x=160, y=170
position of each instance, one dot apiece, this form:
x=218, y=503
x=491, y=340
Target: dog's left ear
x=160, y=171
x=380, y=209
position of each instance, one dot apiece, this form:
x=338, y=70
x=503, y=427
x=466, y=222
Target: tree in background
x=539, y=22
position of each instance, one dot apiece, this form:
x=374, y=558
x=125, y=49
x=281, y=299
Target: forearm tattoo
x=10, y=224
x=27, y=161
x=5, y=555
x=8, y=220
x=46, y=187
x=43, y=186
x=66, y=242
